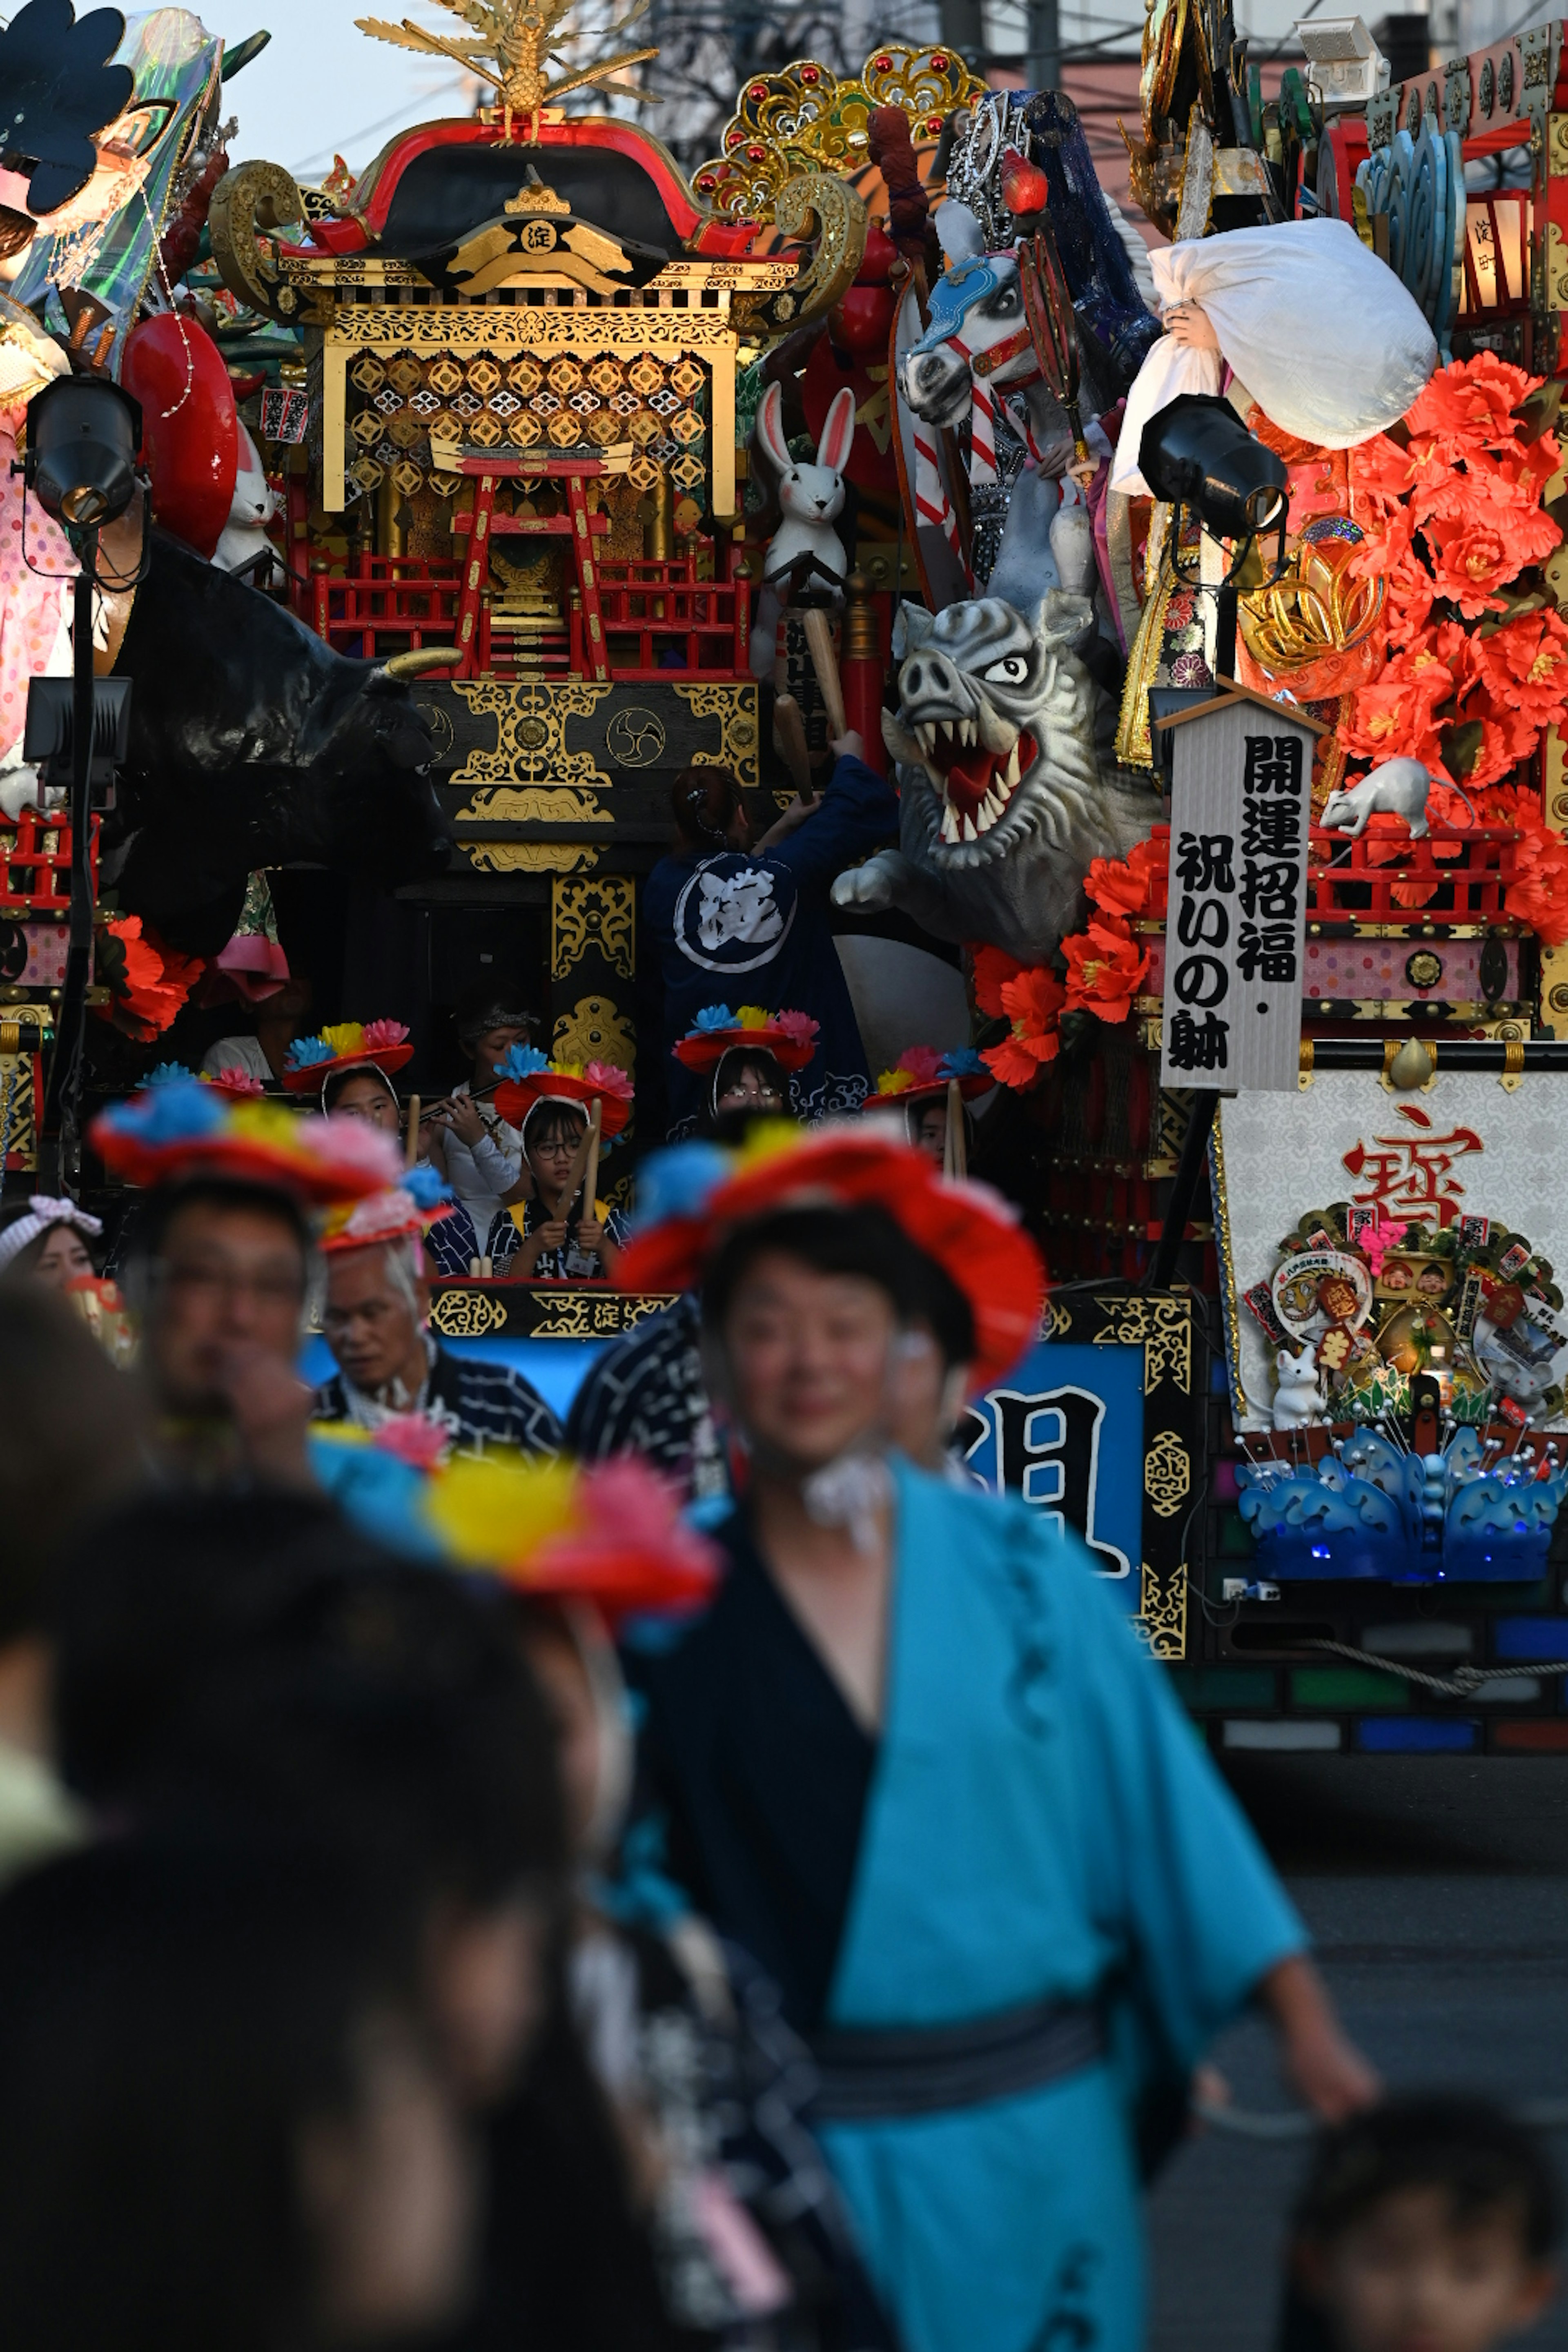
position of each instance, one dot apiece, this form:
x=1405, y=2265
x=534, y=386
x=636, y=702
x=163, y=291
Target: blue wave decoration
x=1371, y=1510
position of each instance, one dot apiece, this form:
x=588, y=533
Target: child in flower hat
x=747, y=1057
x=920, y=1085
x=537, y=1238
x=349, y=1065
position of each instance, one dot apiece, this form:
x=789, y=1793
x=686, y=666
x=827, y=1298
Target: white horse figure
x=977, y=357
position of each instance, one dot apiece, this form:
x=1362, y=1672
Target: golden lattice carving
x=466, y=1314
x=487, y=327
x=1162, y=1618
x=804, y=120
x=600, y=914
x=532, y=804
x=1167, y=1473
x=593, y=1031
x=530, y=732
x=576, y=1314
x=18, y=1137
x=735, y=707
x=1163, y=1328
x=530, y=857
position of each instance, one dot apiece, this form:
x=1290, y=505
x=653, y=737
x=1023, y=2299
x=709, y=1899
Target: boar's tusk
x=415, y=665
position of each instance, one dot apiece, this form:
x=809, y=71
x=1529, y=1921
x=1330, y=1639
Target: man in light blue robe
x=914, y=1760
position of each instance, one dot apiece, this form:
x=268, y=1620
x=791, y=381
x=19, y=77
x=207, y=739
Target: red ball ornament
x=863, y=320
x=1025, y=187
x=881, y=64
x=939, y=63
x=190, y=426
x=877, y=260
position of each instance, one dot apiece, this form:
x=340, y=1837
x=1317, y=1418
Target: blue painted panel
x=1415, y=1734
x=557, y=1367
x=1065, y=1431
x=1529, y=1637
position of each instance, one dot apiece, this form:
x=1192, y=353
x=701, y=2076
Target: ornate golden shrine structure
x=522, y=333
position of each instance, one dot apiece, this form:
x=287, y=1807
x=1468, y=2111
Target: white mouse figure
x=255, y=504
x=1298, y=1399
x=1398, y=788
x=805, y=550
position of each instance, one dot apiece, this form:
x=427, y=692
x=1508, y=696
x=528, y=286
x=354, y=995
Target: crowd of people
x=704, y=1876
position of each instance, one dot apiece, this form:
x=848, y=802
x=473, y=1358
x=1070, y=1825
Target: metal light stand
x=62, y=1107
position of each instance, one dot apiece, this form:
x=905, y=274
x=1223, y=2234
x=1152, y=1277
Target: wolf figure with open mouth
x=1003, y=804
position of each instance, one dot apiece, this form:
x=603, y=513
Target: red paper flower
x=1392, y=717
x=993, y=967
x=1136, y=886
x=1525, y=668
x=1032, y=999
x=1104, y=970
x=1470, y=402
x=1482, y=550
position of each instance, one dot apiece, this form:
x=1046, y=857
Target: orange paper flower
x=1524, y=669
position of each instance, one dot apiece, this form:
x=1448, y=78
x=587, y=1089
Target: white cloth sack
x=1330, y=343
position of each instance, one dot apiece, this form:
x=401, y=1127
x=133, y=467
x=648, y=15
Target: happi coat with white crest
x=1034, y=1822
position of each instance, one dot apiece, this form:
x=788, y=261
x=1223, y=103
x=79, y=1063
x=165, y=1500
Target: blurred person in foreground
x=915, y=1762
x=262, y=1665
x=220, y=1266
x=69, y=1429
x=225, y=2126
x=697, y=2083
x=391, y=1368
x=1429, y=2223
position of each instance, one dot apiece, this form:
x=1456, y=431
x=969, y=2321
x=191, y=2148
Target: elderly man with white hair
x=376, y=1319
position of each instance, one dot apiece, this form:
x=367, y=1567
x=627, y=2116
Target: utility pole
x=1043, y=64
x=963, y=28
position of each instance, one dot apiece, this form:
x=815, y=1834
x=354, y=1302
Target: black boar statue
x=252, y=743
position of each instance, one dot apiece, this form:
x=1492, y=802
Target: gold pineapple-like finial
x=510, y=47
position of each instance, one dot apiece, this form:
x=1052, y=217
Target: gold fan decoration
x=510, y=48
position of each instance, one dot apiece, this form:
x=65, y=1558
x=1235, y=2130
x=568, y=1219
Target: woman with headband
x=46, y=1240
x=739, y=920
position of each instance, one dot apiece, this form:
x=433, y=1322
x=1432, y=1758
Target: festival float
x=1195, y=581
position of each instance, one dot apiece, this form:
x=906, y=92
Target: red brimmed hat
x=923, y=1074
x=969, y=1230
x=405, y=1213
x=527, y=1079
x=184, y=1132
x=789, y=1037
x=346, y=1045
x=608, y=1534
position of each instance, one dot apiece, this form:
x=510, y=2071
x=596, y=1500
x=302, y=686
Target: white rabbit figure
x=805, y=550
x=1298, y=1399
x=255, y=504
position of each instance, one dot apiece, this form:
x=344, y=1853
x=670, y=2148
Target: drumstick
x=591, y=1176
x=579, y=1161
x=955, y=1153
x=789, y=741
x=825, y=662
x=411, y=1149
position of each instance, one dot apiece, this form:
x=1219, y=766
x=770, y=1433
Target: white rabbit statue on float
x=805, y=552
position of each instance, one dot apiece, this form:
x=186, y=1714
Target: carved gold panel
x=530, y=739
x=593, y=1031
x=735, y=707
x=600, y=914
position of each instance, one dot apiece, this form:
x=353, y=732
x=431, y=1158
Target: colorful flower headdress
x=529, y=1076
x=407, y=1211
x=182, y=1130
x=610, y=1535
x=693, y=1195
x=228, y=1082
x=311, y=1060
x=924, y=1071
x=789, y=1037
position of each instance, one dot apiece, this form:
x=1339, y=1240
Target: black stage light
x=83, y=433
x=1198, y=457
